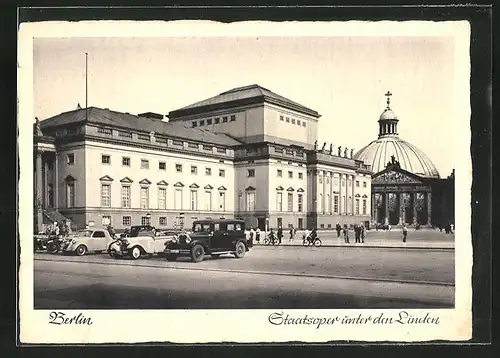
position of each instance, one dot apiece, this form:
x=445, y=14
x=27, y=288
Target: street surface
x=267, y=277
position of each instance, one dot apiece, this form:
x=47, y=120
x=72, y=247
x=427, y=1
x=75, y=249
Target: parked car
x=142, y=240
x=210, y=237
x=88, y=240
x=40, y=242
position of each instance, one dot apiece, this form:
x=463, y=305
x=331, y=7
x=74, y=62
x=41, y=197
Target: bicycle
x=308, y=241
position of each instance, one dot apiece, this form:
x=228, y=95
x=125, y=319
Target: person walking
x=252, y=234
x=292, y=234
x=405, y=233
x=357, y=235
x=346, y=234
x=363, y=234
x=257, y=235
x=280, y=235
x=338, y=228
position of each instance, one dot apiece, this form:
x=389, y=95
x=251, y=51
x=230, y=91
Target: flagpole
x=86, y=87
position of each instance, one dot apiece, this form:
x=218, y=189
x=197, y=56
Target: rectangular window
x=178, y=199
x=222, y=201
x=364, y=206
x=124, y=134
x=179, y=143
x=279, y=201
x=298, y=122
x=224, y=119
x=208, y=171
x=251, y=173
x=221, y=150
x=162, y=166
x=287, y=119
x=105, y=131
x=71, y=159
x=194, y=169
x=144, y=197
x=322, y=226
x=278, y=150
x=290, y=175
x=282, y=118
x=162, y=198
x=145, y=220
x=217, y=120
x=70, y=195
x=106, y=220
x=194, y=124
x=233, y=118
x=279, y=222
x=178, y=168
x=125, y=196
x=357, y=206
x=126, y=220
x=251, y=201
x=105, y=159
x=202, y=123
x=222, y=173
x=357, y=183
x=279, y=173
x=209, y=121
x=126, y=161
x=300, y=202
x=364, y=184
x=144, y=164
x=301, y=176
x=162, y=221
x=207, y=147
x=106, y=195
x=293, y=120
x=194, y=200
x=208, y=201
x=290, y=202
x=303, y=124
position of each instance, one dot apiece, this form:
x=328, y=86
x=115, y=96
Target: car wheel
x=136, y=253
x=197, y=253
x=240, y=250
x=81, y=250
x=305, y=242
x=171, y=257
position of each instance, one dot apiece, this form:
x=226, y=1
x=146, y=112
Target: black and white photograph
x=294, y=176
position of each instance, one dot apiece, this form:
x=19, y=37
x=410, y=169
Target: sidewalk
x=374, y=243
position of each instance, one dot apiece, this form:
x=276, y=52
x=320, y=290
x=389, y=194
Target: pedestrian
x=56, y=229
x=280, y=234
x=357, y=234
x=292, y=234
x=405, y=232
x=346, y=234
x=252, y=233
x=257, y=235
x=362, y=234
x=339, y=229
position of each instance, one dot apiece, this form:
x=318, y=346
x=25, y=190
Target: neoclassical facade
x=246, y=152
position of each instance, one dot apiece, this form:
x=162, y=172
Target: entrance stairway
x=52, y=215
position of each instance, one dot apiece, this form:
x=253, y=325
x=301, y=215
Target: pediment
x=69, y=178
x=208, y=187
x=395, y=177
x=126, y=180
x=194, y=186
x=145, y=182
x=106, y=178
x=222, y=188
x=250, y=188
x=162, y=182
x=179, y=185
x=290, y=189
x=280, y=188
x=300, y=190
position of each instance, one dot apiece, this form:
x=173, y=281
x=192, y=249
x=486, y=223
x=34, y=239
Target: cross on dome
x=388, y=94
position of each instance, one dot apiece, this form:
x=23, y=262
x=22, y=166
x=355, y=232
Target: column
x=45, y=184
x=330, y=190
x=414, y=208
x=401, y=206
x=56, y=182
x=374, y=210
x=353, y=200
x=386, y=208
x=429, y=208
x=38, y=194
x=340, y=195
x=323, y=208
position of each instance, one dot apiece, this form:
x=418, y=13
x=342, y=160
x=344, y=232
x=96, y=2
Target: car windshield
x=141, y=231
x=199, y=227
x=85, y=233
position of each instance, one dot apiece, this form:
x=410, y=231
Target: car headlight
x=73, y=241
x=188, y=239
x=174, y=240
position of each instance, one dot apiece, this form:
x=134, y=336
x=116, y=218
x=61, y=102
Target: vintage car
x=88, y=240
x=142, y=240
x=210, y=237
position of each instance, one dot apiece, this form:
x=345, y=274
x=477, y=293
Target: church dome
x=378, y=153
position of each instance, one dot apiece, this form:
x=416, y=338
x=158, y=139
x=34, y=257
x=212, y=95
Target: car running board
x=221, y=252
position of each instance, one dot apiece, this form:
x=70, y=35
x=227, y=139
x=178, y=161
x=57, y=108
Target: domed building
x=406, y=186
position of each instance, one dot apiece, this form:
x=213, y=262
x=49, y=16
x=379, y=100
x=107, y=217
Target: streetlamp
x=240, y=194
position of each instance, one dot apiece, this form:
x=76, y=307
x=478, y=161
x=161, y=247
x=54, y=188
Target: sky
x=343, y=78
